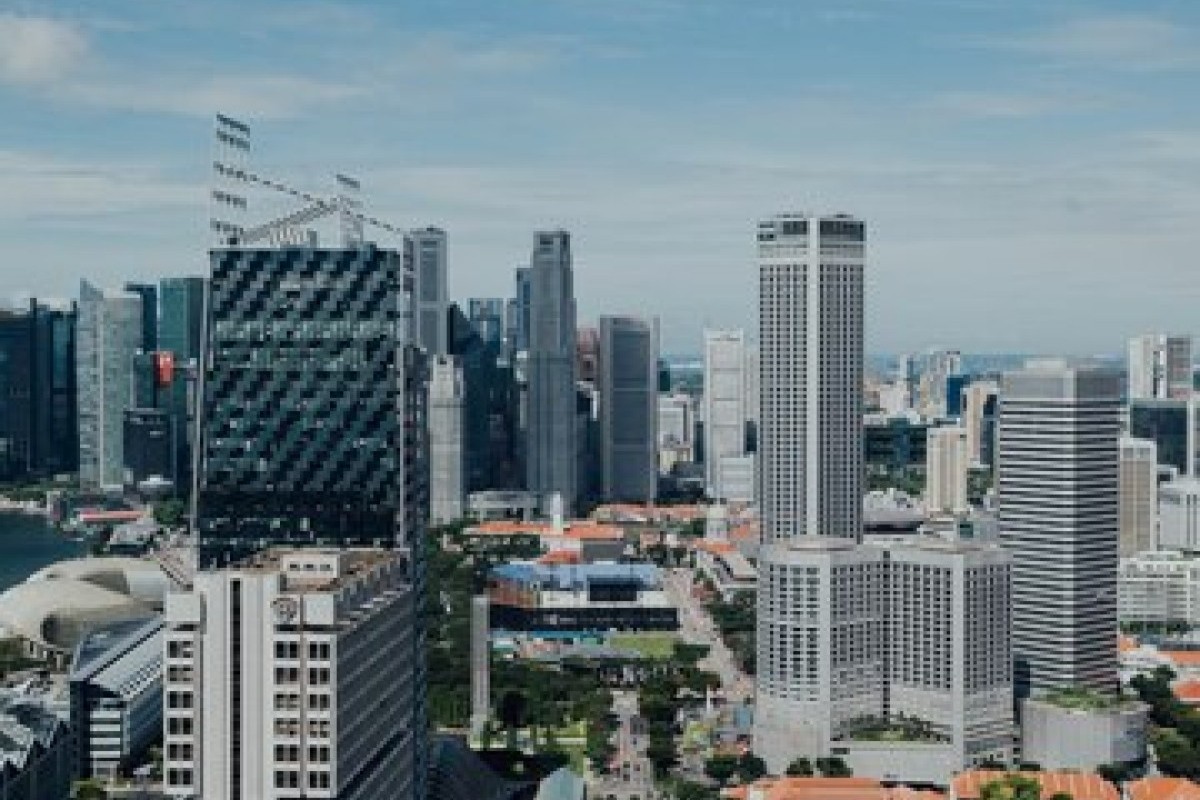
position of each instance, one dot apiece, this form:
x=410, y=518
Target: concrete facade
x=1060, y=738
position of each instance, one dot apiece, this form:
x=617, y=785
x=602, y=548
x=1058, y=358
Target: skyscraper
x=724, y=403
x=109, y=333
x=313, y=421
x=522, y=309
x=1138, y=502
x=551, y=448
x=446, y=452
x=1160, y=367
x=293, y=675
x=946, y=471
x=976, y=397
x=425, y=248
x=811, y=376
x=815, y=587
x=488, y=315
x=148, y=292
x=1057, y=489
x=628, y=380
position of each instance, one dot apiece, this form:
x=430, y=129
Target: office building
x=149, y=445
x=1138, y=501
x=521, y=321
x=1179, y=514
x=676, y=429
x=108, y=334
x=488, y=316
x=552, y=450
x=811, y=373
x=116, y=695
x=1160, y=367
x=1165, y=422
x=314, y=419
x=979, y=419
x=894, y=444
x=446, y=453
x=37, y=745
x=737, y=476
x=946, y=471
x=811, y=475
x=37, y=387
x=180, y=333
x=148, y=293
x=628, y=409
x=425, y=254
x=481, y=667
x=1159, y=589
x=293, y=675
x=724, y=403
x=1058, y=488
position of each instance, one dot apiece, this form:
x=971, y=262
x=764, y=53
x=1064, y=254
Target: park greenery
x=170, y=513
x=1015, y=786
x=1176, y=726
x=734, y=618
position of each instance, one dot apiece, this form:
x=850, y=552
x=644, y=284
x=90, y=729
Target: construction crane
x=228, y=200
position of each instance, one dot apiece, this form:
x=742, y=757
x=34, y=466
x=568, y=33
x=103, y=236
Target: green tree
x=750, y=767
x=834, y=767
x=686, y=790
x=89, y=789
x=721, y=768
x=800, y=768
x=169, y=513
x=1011, y=787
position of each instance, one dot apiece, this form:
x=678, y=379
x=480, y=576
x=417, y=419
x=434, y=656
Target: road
x=697, y=627
x=632, y=776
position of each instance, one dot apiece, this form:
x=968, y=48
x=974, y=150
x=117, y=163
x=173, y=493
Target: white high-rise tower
x=810, y=489
x=811, y=376
x=724, y=407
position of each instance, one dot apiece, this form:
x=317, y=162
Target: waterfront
x=28, y=543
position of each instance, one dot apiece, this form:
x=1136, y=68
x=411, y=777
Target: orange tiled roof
x=1183, y=658
x=559, y=557
x=1126, y=644
x=579, y=529
x=747, y=530
x=1080, y=785
x=591, y=530
x=1188, y=691
x=1163, y=789
x=709, y=546
x=827, y=789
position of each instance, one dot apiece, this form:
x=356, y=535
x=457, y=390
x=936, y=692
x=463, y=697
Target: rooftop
x=1080, y=785
x=825, y=789
x=1078, y=698
x=1163, y=789
x=577, y=576
x=325, y=568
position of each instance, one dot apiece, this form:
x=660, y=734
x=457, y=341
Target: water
x=28, y=543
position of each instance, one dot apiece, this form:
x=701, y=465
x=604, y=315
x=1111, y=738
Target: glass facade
x=311, y=402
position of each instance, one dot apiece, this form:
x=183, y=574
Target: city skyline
x=1024, y=130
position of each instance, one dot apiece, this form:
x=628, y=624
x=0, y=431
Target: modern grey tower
x=820, y=666
x=628, y=378
x=1057, y=487
x=425, y=248
x=109, y=333
x=550, y=425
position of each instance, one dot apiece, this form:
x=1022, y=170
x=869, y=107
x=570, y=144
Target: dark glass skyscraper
x=313, y=421
x=149, y=294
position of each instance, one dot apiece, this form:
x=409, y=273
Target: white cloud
x=38, y=50
x=1128, y=41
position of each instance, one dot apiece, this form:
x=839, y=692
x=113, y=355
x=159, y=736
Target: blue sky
x=1029, y=169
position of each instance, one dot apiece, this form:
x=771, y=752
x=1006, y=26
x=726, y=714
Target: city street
x=697, y=627
x=632, y=776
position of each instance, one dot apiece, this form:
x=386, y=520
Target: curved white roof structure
x=141, y=579
x=56, y=614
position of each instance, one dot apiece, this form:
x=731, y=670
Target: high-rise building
x=724, y=402
x=522, y=309
x=148, y=292
x=946, y=471
x=810, y=488
x=180, y=333
x=551, y=451
x=425, y=250
x=481, y=655
x=1160, y=366
x=313, y=423
x=628, y=409
x=108, y=334
x=676, y=429
x=975, y=418
x=447, y=494
x=488, y=315
x=1058, y=488
x=1138, y=501
x=1165, y=422
x=910, y=636
x=37, y=392
x=293, y=675
x=811, y=373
